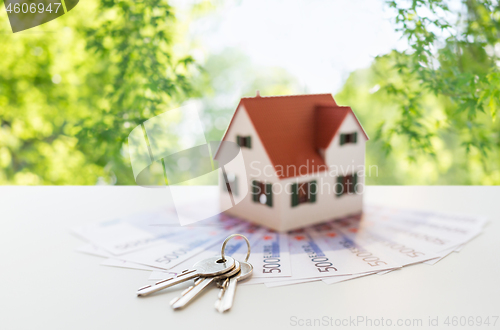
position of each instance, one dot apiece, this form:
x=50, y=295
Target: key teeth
x=144, y=287
x=165, y=280
x=187, y=290
x=220, y=309
x=173, y=301
x=141, y=293
x=176, y=305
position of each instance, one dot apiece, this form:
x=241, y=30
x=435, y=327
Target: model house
x=304, y=159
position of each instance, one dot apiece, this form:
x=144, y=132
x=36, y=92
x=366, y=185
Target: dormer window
x=244, y=141
x=348, y=138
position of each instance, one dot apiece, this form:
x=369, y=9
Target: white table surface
x=45, y=284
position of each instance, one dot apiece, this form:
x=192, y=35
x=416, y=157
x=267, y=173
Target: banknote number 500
x=322, y=262
x=319, y=261
x=271, y=264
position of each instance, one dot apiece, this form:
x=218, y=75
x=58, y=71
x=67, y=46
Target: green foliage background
x=436, y=103
x=72, y=90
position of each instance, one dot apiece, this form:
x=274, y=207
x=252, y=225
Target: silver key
x=193, y=291
x=228, y=289
x=205, y=268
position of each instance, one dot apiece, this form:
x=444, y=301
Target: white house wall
x=282, y=216
x=347, y=155
x=328, y=205
x=256, y=162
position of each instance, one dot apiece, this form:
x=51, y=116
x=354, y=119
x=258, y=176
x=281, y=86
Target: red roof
x=292, y=128
x=328, y=118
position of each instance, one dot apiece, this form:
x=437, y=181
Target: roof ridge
x=276, y=96
x=331, y=104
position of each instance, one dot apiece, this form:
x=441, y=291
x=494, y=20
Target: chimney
x=257, y=93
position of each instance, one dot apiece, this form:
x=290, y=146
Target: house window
x=348, y=138
x=262, y=193
x=304, y=192
x=346, y=184
x=244, y=141
x=230, y=183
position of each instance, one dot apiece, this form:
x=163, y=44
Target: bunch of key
x=225, y=272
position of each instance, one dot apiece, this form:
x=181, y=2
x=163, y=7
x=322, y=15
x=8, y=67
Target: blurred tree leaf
x=71, y=93
x=453, y=54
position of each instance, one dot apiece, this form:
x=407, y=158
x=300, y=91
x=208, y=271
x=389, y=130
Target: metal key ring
x=228, y=238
